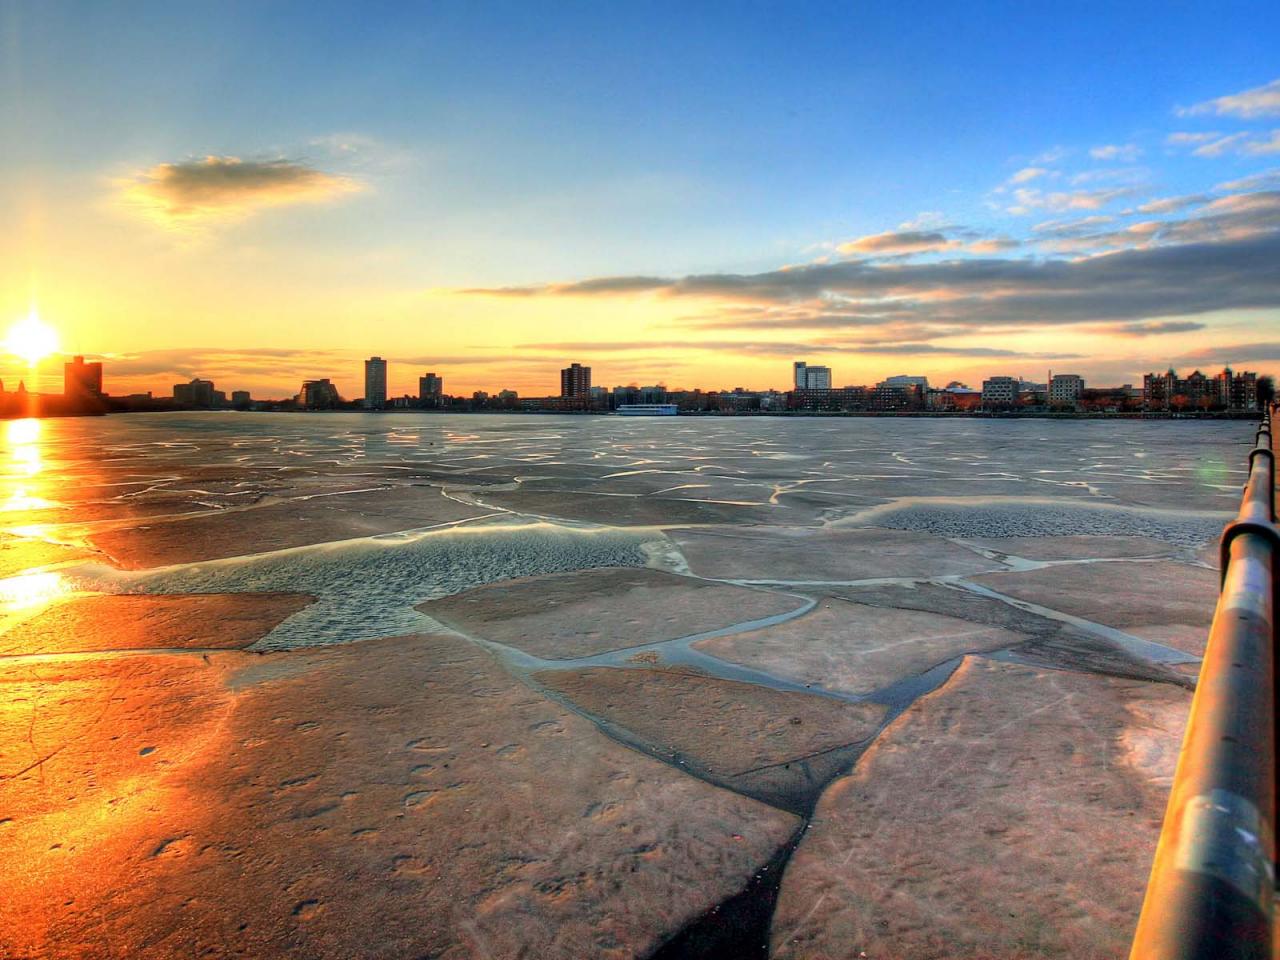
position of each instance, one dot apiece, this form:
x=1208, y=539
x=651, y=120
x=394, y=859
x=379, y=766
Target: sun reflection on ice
x=31, y=590
x=23, y=463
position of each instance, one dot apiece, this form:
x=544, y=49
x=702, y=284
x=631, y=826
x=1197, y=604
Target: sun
x=32, y=339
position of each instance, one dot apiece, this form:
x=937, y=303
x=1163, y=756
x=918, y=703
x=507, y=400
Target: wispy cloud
x=1151, y=329
x=1216, y=148
x=1232, y=354
x=1066, y=228
x=228, y=188
x=1234, y=217
x=788, y=348
x=897, y=242
x=1173, y=204
x=1186, y=139
x=1128, y=152
x=1266, y=180
x=1243, y=143
x=1027, y=174
x=1258, y=146
x=1030, y=199
x=1263, y=101
x=993, y=245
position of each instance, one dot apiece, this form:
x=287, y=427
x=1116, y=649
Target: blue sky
x=513, y=145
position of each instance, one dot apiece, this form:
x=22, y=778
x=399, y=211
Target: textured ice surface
x=367, y=588
x=1043, y=518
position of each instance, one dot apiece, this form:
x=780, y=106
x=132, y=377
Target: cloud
x=1027, y=174
x=1232, y=354
x=776, y=348
x=1263, y=101
x=1243, y=144
x=1130, y=176
x=1257, y=147
x=993, y=245
x=896, y=242
x=1183, y=139
x=1067, y=228
x=1052, y=155
x=1058, y=202
x=911, y=349
x=1266, y=180
x=1128, y=152
x=1151, y=329
x=1233, y=217
x=926, y=220
x=1222, y=260
x=228, y=188
x=1173, y=204
x=1216, y=148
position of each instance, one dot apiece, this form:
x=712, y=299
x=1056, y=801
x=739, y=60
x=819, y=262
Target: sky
x=688, y=194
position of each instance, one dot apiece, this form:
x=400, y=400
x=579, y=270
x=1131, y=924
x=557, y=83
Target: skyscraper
x=80, y=379
x=575, y=381
x=430, y=388
x=811, y=378
x=375, y=383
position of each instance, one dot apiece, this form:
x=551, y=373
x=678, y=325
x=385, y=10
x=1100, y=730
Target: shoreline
x=1248, y=415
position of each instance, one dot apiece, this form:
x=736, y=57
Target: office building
x=318, y=395
x=430, y=389
x=1065, y=390
x=240, y=399
x=998, y=392
x=197, y=393
x=80, y=379
x=807, y=377
x=375, y=383
x=575, y=381
x=922, y=383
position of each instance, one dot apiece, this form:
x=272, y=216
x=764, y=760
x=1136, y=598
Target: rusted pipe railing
x=1212, y=887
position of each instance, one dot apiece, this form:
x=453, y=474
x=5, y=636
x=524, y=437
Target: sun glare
x=31, y=590
x=32, y=339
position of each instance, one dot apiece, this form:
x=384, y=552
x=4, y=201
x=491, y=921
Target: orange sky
x=191, y=195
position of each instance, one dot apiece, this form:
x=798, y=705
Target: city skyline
x=812, y=390
x=1114, y=211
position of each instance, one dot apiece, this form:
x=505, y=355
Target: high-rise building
x=575, y=381
x=430, y=388
x=80, y=379
x=241, y=400
x=375, y=383
x=809, y=377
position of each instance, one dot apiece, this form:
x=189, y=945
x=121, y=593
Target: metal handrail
x=1212, y=887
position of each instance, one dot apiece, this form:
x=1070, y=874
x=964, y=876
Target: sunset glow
x=838, y=197
x=31, y=339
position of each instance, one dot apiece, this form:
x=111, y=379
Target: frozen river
x=701, y=684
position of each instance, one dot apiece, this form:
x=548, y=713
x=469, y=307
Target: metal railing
x=1212, y=887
